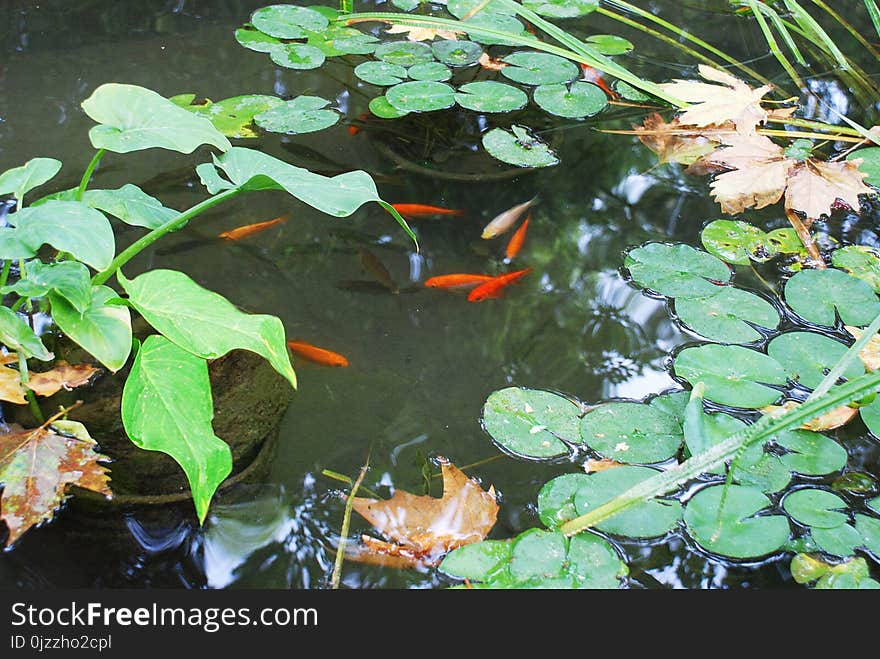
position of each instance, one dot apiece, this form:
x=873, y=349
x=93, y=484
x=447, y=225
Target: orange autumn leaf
x=36, y=467
x=421, y=529
x=491, y=63
x=415, y=33
x=835, y=418
x=592, y=466
x=47, y=383
x=673, y=142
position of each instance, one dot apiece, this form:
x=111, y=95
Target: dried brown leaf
x=870, y=354
x=672, y=143
x=414, y=33
x=815, y=186
x=836, y=418
x=424, y=528
x=491, y=63
x=592, y=466
x=36, y=467
x=730, y=100
x=62, y=376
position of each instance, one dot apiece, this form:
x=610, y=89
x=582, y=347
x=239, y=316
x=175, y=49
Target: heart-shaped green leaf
x=815, y=295
x=728, y=315
x=631, y=433
x=17, y=335
x=18, y=181
x=676, y=270
x=490, y=96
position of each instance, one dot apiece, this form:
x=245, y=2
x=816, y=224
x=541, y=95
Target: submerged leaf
x=671, y=142
x=38, y=465
x=518, y=148
x=425, y=528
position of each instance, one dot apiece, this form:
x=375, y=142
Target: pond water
x=422, y=362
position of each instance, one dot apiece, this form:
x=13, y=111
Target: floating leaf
x=380, y=107
x=457, y=52
x=421, y=96
x=631, y=433
x=870, y=415
x=676, y=270
x=288, y=21
x=203, y=322
x=815, y=295
x=630, y=93
x=518, y=148
x=869, y=163
x=733, y=375
x=465, y=8
x=839, y=540
x=556, y=500
x=421, y=33
x=577, y=100
x=299, y=56
x=18, y=336
x=734, y=241
x=424, y=528
x=380, y=73
x=132, y=118
x=610, y=44
x=304, y=114
x=167, y=407
x=814, y=507
x=497, y=22
x=531, y=423
x=728, y=315
x=489, y=96
x=406, y=5
x=404, y=53
x=531, y=68
x=131, y=205
x=735, y=530
x=852, y=574
x=104, y=330
x=337, y=40
x=18, y=181
x=816, y=186
x=69, y=226
x=234, y=116
x=61, y=376
x=808, y=357
x=671, y=142
x=859, y=261
x=252, y=39
x=562, y=8
x=69, y=279
x=869, y=530
x=810, y=453
x=37, y=466
x=478, y=561
x=647, y=519
x=431, y=71
x=756, y=467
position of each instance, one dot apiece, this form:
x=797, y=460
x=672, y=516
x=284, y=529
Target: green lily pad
x=489, y=96
x=869, y=530
x=381, y=108
x=859, y=261
x=303, y=114
x=497, y=22
x=457, y=52
x=733, y=375
x=462, y=8
x=816, y=508
x=561, y=8
x=706, y=430
x=531, y=423
x=252, y=39
x=518, y=148
x=556, y=499
x=733, y=241
x=234, y=116
x=874, y=504
x=380, y=73
x=299, y=56
x=647, y=519
x=610, y=44
x=630, y=93
x=18, y=181
x=288, y=21
x=574, y=101
x=432, y=71
x=756, y=467
x=735, y=529
x=814, y=295
x=870, y=415
x=337, y=40
x=672, y=403
x=421, y=96
x=810, y=453
x=728, y=315
x=406, y=5
x=808, y=357
x=783, y=241
x=676, y=270
x=538, y=555
x=404, y=53
x=631, y=433
x=870, y=164
x=478, y=561
x=531, y=68
x=839, y=540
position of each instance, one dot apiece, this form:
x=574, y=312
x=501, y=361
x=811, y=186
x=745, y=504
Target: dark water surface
x=422, y=362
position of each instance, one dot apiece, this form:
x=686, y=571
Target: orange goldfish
x=493, y=288
x=595, y=76
x=458, y=280
x=516, y=242
x=354, y=129
x=504, y=221
x=250, y=229
x=316, y=354
x=410, y=211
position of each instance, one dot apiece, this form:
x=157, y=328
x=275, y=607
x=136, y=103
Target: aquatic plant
x=166, y=400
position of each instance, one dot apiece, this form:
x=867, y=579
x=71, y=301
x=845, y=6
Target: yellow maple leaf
x=414, y=33
x=815, y=186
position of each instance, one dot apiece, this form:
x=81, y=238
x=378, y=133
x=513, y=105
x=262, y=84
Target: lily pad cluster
x=421, y=77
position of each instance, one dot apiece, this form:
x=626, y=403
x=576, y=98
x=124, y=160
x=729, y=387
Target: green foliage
x=531, y=423
x=859, y=261
x=381, y=108
x=631, y=432
x=457, y=52
x=562, y=8
x=18, y=181
x=676, y=270
x=421, y=96
x=430, y=71
x=17, y=335
x=304, y=114
x=729, y=315
x=404, y=53
x=232, y=116
x=299, y=56
x=69, y=279
x=870, y=164
x=288, y=21
x=815, y=295
x=490, y=96
x=531, y=68
x=738, y=243
x=574, y=101
x=131, y=205
x=380, y=73
x=518, y=147
x=808, y=356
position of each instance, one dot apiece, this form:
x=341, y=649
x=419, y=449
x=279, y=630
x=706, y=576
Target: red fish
x=316, y=354
x=595, y=76
x=458, y=280
x=354, y=129
x=250, y=229
x=493, y=288
x=410, y=211
x=516, y=242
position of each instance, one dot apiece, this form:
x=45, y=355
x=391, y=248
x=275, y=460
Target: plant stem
x=346, y=521
x=342, y=478
x=87, y=175
x=818, y=125
x=24, y=377
x=7, y=264
x=173, y=224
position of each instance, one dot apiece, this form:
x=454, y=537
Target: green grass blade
x=772, y=44
x=874, y=13
x=815, y=31
x=786, y=35
x=848, y=358
x=846, y=25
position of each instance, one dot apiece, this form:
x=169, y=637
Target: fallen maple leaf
x=36, y=467
x=870, y=354
x=421, y=529
x=815, y=186
x=731, y=100
x=62, y=376
x=836, y=418
x=672, y=142
x=414, y=33
x=10, y=382
x=592, y=466
x=491, y=63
